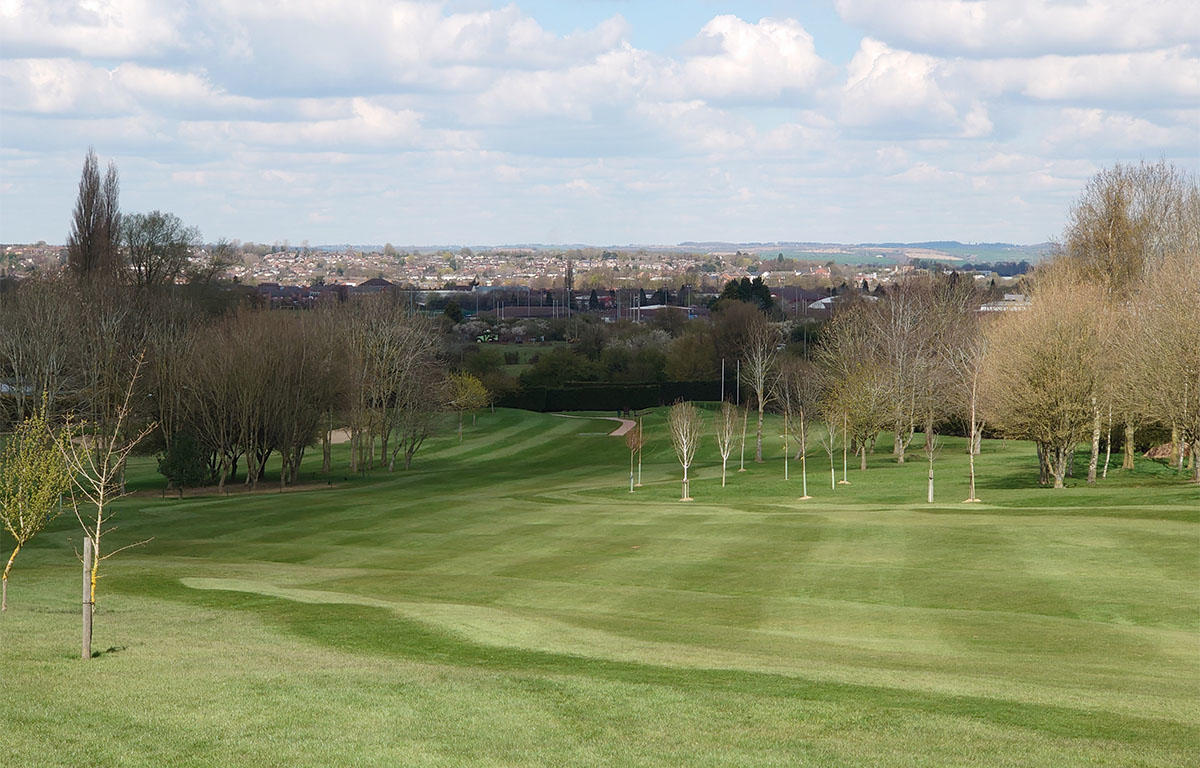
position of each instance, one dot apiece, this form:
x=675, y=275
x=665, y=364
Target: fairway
x=508, y=602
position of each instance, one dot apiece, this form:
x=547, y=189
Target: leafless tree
x=964, y=352
x=758, y=369
x=96, y=463
x=38, y=345
x=726, y=424
x=686, y=425
x=634, y=442
x=159, y=247
x=798, y=392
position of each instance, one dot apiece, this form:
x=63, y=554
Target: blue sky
x=474, y=122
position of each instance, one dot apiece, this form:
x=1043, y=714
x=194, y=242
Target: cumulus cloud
x=1006, y=28
x=102, y=29
x=889, y=87
x=741, y=61
x=402, y=112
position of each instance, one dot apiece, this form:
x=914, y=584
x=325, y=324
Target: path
x=625, y=424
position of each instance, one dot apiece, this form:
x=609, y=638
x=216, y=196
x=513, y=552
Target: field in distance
x=508, y=602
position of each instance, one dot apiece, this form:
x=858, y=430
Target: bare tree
x=38, y=344
x=798, y=391
x=758, y=367
x=964, y=352
x=33, y=480
x=831, y=419
x=1165, y=361
x=726, y=424
x=854, y=378
x=686, y=425
x=634, y=442
x=933, y=445
x=159, y=247
x=95, y=463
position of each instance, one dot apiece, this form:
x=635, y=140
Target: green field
x=509, y=603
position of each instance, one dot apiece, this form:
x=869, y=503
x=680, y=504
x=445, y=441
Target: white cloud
x=1006, y=28
x=890, y=88
x=740, y=61
x=103, y=29
x=1076, y=130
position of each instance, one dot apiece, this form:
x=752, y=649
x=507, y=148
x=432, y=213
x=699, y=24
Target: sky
x=606, y=122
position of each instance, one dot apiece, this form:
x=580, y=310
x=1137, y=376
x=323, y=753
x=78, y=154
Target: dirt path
x=624, y=424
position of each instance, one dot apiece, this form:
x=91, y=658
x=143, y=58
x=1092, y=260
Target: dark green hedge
x=589, y=396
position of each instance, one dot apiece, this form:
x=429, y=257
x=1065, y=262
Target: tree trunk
x=88, y=598
x=971, y=447
x=1061, y=458
x=862, y=459
x=1196, y=459
x=327, y=447
x=1127, y=460
x=930, y=494
x=785, y=445
x=1094, y=458
x=4, y=588
x=898, y=445
x=745, y=418
x=758, y=435
x=803, y=458
x=1107, y=444
x=724, y=461
x=1044, y=473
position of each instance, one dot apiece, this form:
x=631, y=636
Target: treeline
x=134, y=333
x=1110, y=341
x=226, y=388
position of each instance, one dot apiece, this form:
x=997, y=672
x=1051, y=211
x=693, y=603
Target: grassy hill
x=509, y=603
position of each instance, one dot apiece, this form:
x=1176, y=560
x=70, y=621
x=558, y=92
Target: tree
x=855, y=379
x=634, y=442
x=933, y=446
x=185, y=463
x=758, y=367
x=95, y=462
x=94, y=241
x=33, y=479
x=686, y=425
x=726, y=424
x=1043, y=369
x=158, y=246
x=38, y=343
x=964, y=353
x=467, y=393
x=797, y=390
x=1163, y=355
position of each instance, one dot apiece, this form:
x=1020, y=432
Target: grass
x=509, y=603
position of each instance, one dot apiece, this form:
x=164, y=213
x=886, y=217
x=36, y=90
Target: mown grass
x=508, y=602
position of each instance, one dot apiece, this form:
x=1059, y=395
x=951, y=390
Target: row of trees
x=1108, y=340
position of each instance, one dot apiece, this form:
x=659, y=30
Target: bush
x=185, y=464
